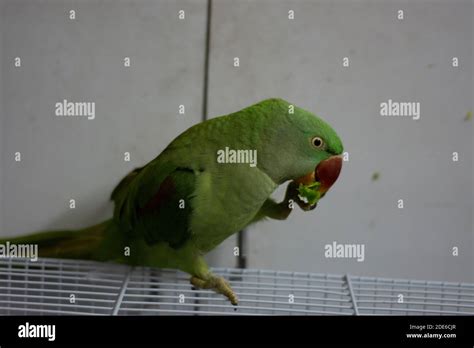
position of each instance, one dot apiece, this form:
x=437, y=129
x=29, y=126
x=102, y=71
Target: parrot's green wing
x=154, y=202
x=165, y=217
x=122, y=187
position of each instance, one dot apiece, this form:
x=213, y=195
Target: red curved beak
x=327, y=172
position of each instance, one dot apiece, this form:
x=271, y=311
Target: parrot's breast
x=226, y=200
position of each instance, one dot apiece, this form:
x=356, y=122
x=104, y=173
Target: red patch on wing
x=165, y=192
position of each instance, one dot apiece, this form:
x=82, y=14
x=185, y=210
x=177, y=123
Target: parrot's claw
x=311, y=207
x=218, y=284
x=306, y=206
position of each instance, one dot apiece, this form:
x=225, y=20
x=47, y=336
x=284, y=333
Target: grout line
x=242, y=244
x=205, y=94
x=241, y=235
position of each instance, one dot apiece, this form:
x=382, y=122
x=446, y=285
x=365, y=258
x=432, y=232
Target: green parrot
x=190, y=198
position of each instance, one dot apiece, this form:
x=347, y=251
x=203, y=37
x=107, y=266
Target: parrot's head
x=301, y=146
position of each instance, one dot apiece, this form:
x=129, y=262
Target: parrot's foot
x=218, y=284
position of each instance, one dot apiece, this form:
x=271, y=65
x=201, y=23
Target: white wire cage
x=71, y=287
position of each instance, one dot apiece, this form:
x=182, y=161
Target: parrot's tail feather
x=68, y=244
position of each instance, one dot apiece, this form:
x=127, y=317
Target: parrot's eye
x=317, y=142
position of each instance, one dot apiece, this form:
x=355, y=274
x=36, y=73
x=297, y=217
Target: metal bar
x=51, y=273
x=122, y=292
x=414, y=297
x=43, y=297
x=414, y=310
x=230, y=307
x=95, y=293
x=64, y=284
x=184, y=277
x=190, y=312
x=49, y=311
x=236, y=288
x=406, y=282
x=227, y=305
x=281, y=274
x=352, y=294
x=254, y=273
x=441, y=304
x=219, y=298
x=235, y=283
x=41, y=276
x=58, y=305
x=417, y=291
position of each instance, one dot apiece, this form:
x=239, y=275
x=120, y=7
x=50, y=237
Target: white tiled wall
x=299, y=60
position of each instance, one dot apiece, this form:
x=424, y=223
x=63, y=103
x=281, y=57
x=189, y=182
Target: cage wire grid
x=71, y=287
